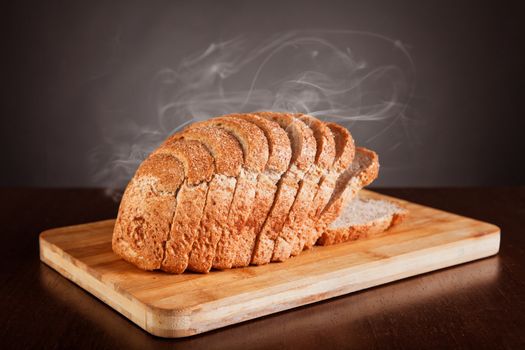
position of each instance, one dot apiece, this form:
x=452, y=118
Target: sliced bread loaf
x=344, y=155
x=303, y=147
x=280, y=153
x=243, y=188
x=362, y=218
x=200, y=208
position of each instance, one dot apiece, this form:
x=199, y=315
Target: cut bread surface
x=362, y=218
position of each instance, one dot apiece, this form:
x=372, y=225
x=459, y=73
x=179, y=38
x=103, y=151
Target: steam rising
x=333, y=75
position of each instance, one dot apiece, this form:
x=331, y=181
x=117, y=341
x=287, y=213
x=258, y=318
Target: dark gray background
x=73, y=72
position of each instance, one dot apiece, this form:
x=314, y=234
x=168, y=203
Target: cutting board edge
x=171, y=323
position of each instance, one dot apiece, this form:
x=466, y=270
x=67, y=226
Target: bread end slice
x=363, y=218
x=146, y=212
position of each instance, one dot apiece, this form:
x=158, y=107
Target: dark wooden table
x=475, y=305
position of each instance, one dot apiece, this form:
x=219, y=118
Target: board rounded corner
x=169, y=322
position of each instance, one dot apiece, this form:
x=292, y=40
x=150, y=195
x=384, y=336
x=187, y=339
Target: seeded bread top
x=326, y=151
x=367, y=159
x=221, y=144
x=253, y=142
x=198, y=162
x=302, y=140
x=344, y=147
x=280, y=151
x=167, y=171
x=360, y=173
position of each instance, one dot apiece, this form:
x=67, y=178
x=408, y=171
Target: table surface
x=479, y=304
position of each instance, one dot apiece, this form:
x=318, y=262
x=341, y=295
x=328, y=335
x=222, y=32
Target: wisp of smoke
x=319, y=73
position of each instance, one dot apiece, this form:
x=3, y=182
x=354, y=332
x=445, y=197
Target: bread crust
x=363, y=170
x=198, y=163
x=303, y=146
x=228, y=156
x=278, y=161
x=251, y=138
x=199, y=167
x=224, y=148
x=344, y=147
x=146, y=211
x=255, y=151
x=279, y=149
x=318, y=193
x=220, y=196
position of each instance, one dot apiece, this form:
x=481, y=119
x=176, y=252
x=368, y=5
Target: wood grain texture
x=182, y=305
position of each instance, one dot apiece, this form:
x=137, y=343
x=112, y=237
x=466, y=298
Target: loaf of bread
x=243, y=189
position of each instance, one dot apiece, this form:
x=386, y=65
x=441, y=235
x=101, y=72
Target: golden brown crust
x=278, y=161
x=372, y=171
x=185, y=226
x=168, y=171
x=218, y=202
x=198, y=163
x=253, y=141
x=231, y=242
x=255, y=151
x=224, y=148
x=344, y=147
x=303, y=154
x=361, y=173
x=284, y=199
x=146, y=211
x=280, y=151
x=325, y=150
x=203, y=208
x=316, y=193
x=344, y=155
x=199, y=167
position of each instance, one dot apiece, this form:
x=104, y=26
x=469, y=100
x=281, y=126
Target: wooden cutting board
x=183, y=305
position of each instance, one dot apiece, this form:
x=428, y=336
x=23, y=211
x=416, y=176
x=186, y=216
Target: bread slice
x=344, y=155
x=255, y=151
x=194, y=200
x=363, y=170
x=280, y=153
x=303, y=147
x=362, y=218
x=309, y=197
x=146, y=211
x=199, y=168
x=294, y=228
